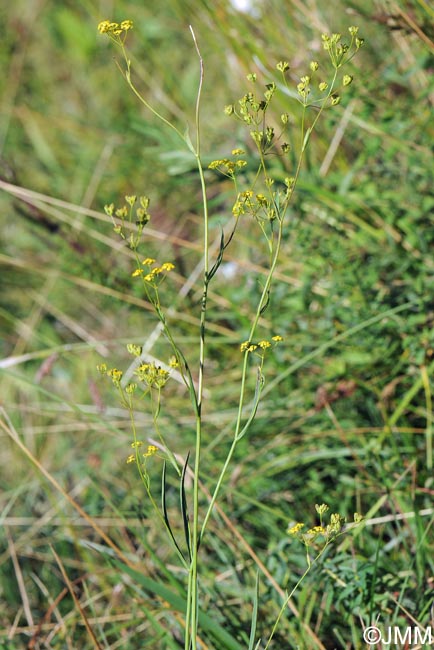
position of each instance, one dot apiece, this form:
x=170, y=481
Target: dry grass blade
x=9, y=430
x=20, y=580
x=76, y=600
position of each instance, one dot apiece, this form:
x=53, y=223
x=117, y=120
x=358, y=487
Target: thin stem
x=199, y=92
x=311, y=564
x=193, y=607
x=264, y=296
x=243, y=382
x=127, y=74
x=285, y=604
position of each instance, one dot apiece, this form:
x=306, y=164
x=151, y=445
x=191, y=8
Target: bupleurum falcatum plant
x=265, y=200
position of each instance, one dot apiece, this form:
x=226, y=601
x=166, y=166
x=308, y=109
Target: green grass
x=346, y=416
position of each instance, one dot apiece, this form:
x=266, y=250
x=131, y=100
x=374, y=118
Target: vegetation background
x=346, y=417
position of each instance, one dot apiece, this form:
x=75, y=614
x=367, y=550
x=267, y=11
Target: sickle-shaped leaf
x=165, y=514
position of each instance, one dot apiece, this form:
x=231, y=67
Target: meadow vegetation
x=345, y=415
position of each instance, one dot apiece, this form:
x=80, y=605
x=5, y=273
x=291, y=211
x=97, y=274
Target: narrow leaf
x=184, y=507
x=164, y=509
x=188, y=141
x=265, y=305
x=219, y=259
x=306, y=138
x=258, y=390
x=254, y=614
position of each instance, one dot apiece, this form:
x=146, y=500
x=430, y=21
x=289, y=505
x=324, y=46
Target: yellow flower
x=167, y=266
x=152, y=449
x=134, y=349
x=264, y=344
x=161, y=377
x=137, y=272
x=215, y=164
x=122, y=212
x=131, y=458
x=150, y=277
x=116, y=376
x=136, y=443
x=295, y=529
x=104, y=26
x=316, y=530
x=126, y=25
x=261, y=199
x=152, y=375
x=336, y=523
x=277, y=338
x=148, y=261
x=114, y=29
x=282, y=66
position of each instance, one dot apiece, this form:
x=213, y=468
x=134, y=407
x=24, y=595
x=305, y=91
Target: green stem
x=311, y=564
x=237, y=430
x=127, y=74
x=285, y=604
x=193, y=606
x=263, y=298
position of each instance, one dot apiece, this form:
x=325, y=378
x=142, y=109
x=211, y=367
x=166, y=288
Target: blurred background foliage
x=347, y=411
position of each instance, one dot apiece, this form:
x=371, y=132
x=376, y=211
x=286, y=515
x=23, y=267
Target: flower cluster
x=257, y=205
x=229, y=167
x=282, y=66
x=151, y=275
x=263, y=139
x=135, y=350
x=139, y=216
x=326, y=532
x=114, y=374
x=250, y=108
x=304, y=88
x=150, y=451
x=152, y=375
x=116, y=377
x=340, y=52
x=116, y=31
x=261, y=346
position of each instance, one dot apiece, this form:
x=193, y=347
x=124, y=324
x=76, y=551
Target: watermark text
x=403, y=636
